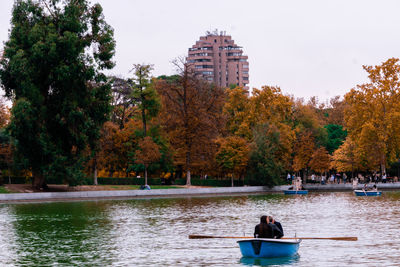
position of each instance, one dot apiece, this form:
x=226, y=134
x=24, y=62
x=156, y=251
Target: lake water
x=155, y=232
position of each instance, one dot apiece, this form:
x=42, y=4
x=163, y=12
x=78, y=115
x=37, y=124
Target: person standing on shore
x=355, y=182
x=384, y=178
x=332, y=179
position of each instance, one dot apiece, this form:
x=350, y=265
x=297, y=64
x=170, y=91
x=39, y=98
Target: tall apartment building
x=217, y=58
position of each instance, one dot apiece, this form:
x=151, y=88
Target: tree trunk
x=383, y=168
x=232, y=180
x=95, y=171
x=38, y=181
x=188, y=178
x=145, y=174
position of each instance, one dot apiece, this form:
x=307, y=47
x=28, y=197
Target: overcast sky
x=308, y=48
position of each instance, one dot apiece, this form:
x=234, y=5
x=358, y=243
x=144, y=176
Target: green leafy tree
x=265, y=164
x=52, y=69
x=143, y=93
x=336, y=137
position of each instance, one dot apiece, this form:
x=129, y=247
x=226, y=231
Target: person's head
x=263, y=219
x=270, y=219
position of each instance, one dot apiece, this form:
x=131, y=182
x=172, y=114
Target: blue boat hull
x=294, y=192
x=367, y=193
x=268, y=248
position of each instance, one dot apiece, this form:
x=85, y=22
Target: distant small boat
x=367, y=193
x=295, y=192
x=268, y=248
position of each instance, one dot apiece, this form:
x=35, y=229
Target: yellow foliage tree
x=270, y=106
x=232, y=155
x=236, y=110
x=372, y=114
x=320, y=160
x=344, y=159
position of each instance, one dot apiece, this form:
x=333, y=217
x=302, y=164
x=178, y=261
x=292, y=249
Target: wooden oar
x=341, y=238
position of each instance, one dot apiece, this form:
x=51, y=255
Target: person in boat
x=277, y=234
x=374, y=188
x=266, y=229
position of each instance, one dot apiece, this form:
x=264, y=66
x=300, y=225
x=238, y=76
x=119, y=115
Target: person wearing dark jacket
x=276, y=234
x=266, y=229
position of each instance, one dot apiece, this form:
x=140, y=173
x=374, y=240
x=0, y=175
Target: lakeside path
x=173, y=193
x=127, y=194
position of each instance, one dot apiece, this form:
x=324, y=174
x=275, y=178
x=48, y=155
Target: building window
x=233, y=54
x=246, y=78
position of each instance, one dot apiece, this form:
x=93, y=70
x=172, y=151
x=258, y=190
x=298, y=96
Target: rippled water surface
x=155, y=232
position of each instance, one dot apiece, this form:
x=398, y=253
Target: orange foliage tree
x=191, y=116
x=304, y=148
x=147, y=154
x=320, y=160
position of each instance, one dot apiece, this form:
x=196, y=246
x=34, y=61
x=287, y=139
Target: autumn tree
x=320, y=160
x=265, y=164
x=335, y=112
x=269, y=106
x=344, y=158
x=304, y=148
x=52, y=70
x=147, y=154
x=232, y=155
x=372, y=112
x=191, y=116
x=236, y=110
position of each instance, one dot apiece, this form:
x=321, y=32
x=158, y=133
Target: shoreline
x=176, y=193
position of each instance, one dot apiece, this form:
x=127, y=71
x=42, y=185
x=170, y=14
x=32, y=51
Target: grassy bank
x=3, y=190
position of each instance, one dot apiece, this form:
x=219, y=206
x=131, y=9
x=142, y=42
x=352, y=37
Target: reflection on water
x=283, y=261
x=64, y=233
x=155, y=232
